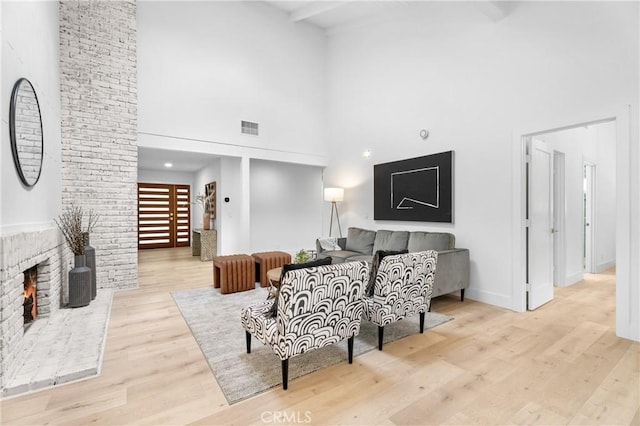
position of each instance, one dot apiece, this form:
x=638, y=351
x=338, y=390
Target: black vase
x=79, y=283
x=90, y=254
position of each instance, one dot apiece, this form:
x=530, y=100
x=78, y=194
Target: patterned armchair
x=403, y=287
x=317, y=306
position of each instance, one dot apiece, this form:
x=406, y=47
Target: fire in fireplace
x=30, y=303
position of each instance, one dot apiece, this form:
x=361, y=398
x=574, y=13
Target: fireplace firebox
x=30, y=303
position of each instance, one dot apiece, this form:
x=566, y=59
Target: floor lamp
x=334, y=195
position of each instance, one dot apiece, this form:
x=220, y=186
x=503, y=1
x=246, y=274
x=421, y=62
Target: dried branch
x=70, y=224
x=92, y=220
x=201, y=200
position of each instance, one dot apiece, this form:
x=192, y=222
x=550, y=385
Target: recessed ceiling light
x=168, y=164
x=366, y=154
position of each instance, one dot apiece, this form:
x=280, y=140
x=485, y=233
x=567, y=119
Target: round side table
x=273, y=275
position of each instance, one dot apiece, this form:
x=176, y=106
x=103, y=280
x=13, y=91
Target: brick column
x=98, y=85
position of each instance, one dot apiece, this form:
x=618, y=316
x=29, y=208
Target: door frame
x=627, y=292
x=178, y=212
x=590, y=249
x=559, y=220
x=626, y=315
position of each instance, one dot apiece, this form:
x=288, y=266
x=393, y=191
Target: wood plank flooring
x=561, y=364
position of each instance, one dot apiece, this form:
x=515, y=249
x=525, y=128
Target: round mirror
x=25, y=128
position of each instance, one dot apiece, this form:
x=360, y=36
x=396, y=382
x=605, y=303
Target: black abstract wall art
x=417, y=189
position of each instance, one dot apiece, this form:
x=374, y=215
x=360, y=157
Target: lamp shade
x=333, y=194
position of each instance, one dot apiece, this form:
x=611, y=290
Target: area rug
x=214, y=320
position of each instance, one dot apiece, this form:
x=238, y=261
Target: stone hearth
x=65, y=347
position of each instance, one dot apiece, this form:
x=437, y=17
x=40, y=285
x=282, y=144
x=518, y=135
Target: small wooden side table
x=204, y=243
x=273, y=275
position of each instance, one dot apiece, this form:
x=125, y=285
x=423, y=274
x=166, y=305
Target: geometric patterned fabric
x=403, y=287
x=317, y=306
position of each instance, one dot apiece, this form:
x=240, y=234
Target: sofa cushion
x=375, y=264
x=339, y=256
x=290, y=267
x=390, y=240
x=421, y=241
x=360, y=240
x=361, y=257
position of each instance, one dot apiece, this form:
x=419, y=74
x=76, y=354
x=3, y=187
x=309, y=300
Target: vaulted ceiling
x=334, y=15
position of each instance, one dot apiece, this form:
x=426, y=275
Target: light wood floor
x=560, y=364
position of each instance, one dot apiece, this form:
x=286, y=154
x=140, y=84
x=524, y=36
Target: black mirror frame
x=12, y=132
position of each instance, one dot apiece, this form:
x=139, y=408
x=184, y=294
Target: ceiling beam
x=314, y=9
x=494, y=10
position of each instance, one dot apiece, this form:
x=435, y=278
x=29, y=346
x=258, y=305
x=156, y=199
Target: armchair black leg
x=285, y=373
x=248, y=337
x=422, y=322
x=380, y=336
x=462, y=295
x=350, y=348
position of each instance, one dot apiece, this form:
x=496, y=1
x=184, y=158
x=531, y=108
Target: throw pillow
x=375, y=264
x=390, y=240
x=329, y=244
x=290, y=267
x=421, y=241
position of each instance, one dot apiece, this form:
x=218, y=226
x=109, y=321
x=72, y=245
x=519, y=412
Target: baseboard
x=605, y=265
x=488, y=297
x=573, y=278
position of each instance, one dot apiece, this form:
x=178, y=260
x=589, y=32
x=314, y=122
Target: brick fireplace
x=28, y=251
x=89, y=88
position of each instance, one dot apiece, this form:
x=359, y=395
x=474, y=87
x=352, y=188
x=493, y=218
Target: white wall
x=205, y=66
x=596, y=144
x=233, y=231
x=286, y=206
x=474, y=83
x=605, y=136
x=210, y=173
x=168, y=177
x=30, y=48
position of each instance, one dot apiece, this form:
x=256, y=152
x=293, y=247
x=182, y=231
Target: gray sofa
x=452, y=269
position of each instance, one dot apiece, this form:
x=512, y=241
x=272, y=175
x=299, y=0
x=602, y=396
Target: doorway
x=561, y=229
x=622, y=209
x=164, y=215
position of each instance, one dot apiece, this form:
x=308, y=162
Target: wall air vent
x=249, y=128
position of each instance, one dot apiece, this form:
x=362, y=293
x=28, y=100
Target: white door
x=589, y=190
x=540, y=235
